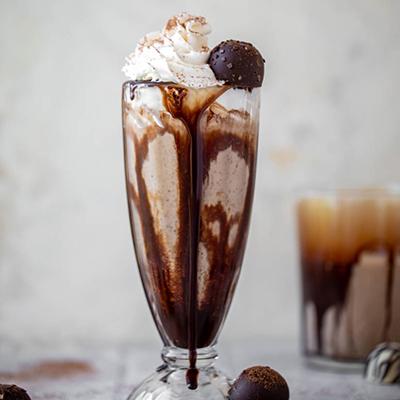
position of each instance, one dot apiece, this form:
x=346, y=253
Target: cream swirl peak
x=177, y=54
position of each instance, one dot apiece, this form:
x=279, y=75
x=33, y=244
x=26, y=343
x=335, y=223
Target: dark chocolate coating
x=237, y=63
x=259, y=383
x=13, y=392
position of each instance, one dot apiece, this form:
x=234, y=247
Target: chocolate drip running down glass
x=190, y=157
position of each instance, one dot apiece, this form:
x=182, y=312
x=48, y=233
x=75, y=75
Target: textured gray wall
x=330, y=115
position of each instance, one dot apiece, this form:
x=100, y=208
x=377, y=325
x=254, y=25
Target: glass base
x=169, y=381
x=333, y=365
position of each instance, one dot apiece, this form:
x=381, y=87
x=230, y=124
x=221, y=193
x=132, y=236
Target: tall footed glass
x=190, y=160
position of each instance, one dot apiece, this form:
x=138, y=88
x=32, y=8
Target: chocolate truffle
x=237, y=63
x=383, y=364
x=13, y=392
x=261, y=383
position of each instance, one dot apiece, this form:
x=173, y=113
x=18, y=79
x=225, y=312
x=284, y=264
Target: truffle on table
x=13, y=392
x=383, y=364
x=259, y=383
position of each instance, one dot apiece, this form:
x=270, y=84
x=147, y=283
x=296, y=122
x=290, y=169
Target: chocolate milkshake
x=190, y=140
x=350, y=256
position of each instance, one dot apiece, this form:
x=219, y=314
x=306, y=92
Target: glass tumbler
x=350, y=271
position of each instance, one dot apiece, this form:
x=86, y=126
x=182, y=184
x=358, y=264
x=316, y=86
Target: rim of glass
x=375, y=191
x=167, y=83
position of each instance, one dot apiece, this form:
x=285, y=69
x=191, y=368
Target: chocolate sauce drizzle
x=326, y=284
x=172, y=289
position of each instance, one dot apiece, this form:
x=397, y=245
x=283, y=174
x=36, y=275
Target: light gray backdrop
x=330, y=115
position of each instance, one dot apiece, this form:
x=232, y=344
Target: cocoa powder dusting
x=49, y=370
x=265, y=376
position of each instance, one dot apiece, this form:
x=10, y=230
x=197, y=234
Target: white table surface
x=85, y=371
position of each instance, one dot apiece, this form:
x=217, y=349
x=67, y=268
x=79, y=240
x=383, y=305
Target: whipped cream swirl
x=177, y=54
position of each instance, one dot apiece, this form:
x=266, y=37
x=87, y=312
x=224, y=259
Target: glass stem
x=175, y=357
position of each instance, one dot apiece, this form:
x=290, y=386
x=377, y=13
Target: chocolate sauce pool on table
x=179, y=317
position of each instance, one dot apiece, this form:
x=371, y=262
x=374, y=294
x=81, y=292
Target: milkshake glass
x=190, y=159
x=190, y=125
